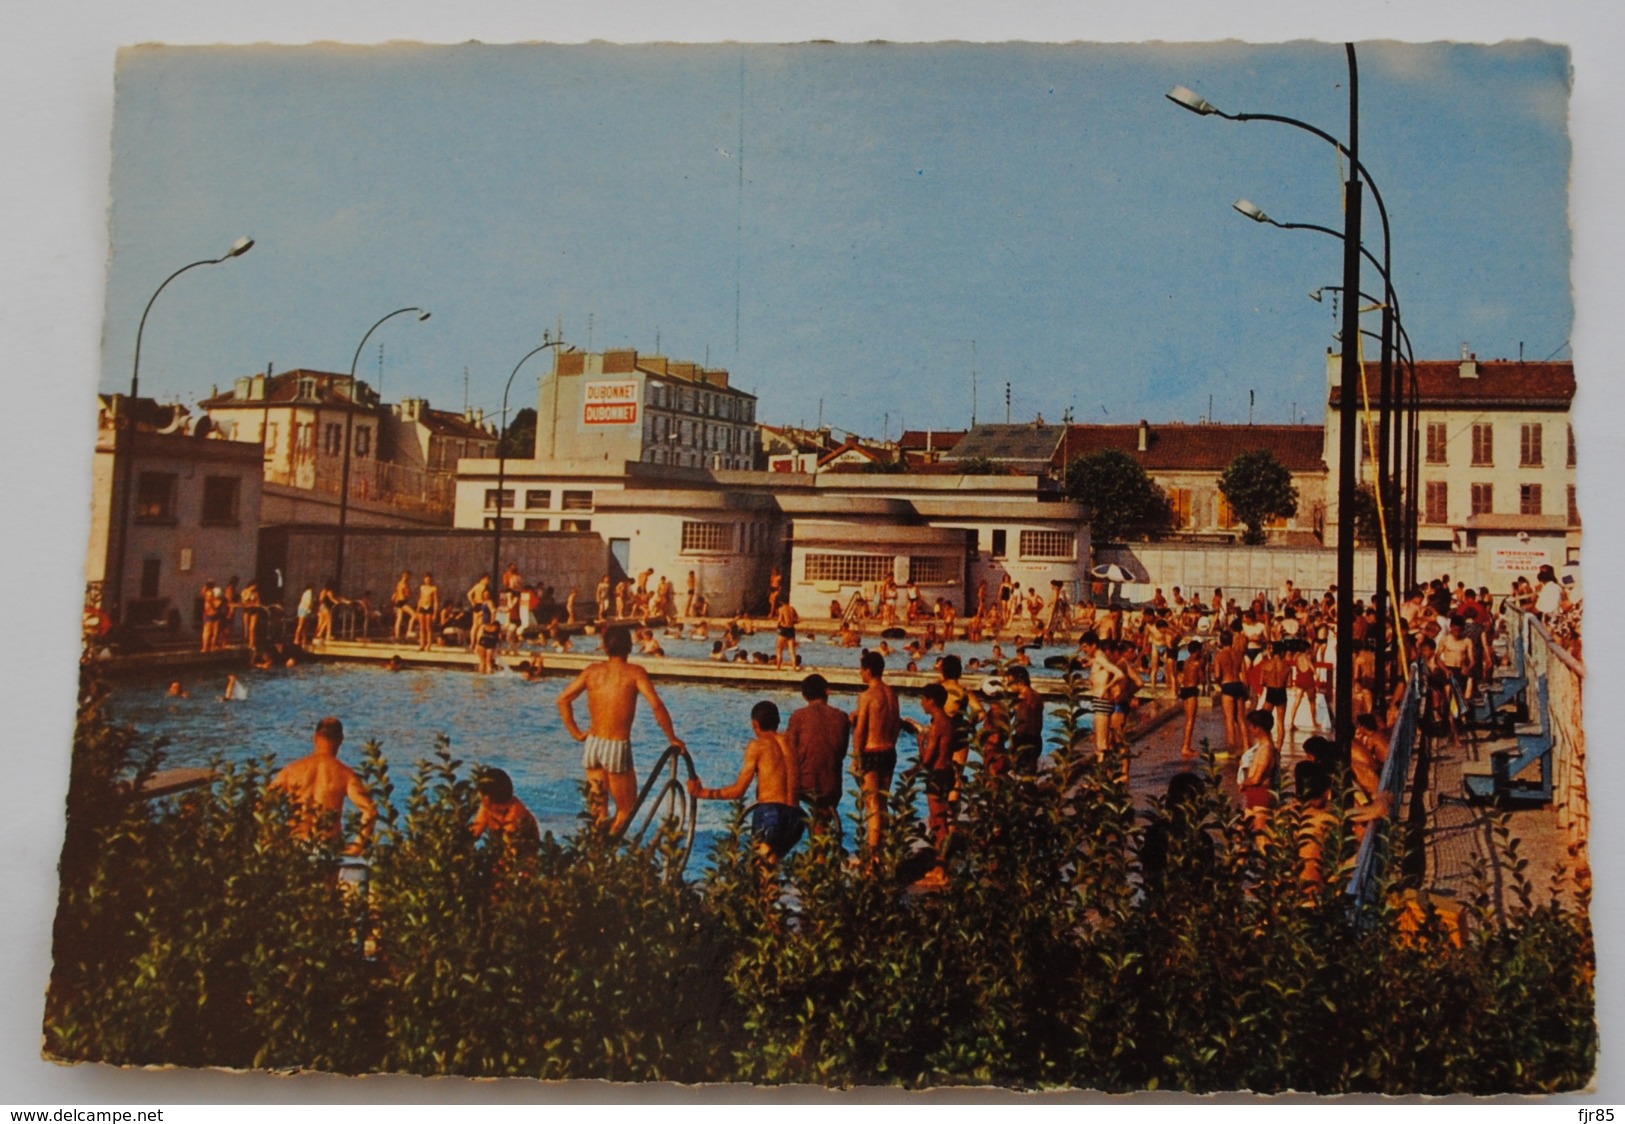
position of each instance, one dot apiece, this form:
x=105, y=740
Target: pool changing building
x=832, y=534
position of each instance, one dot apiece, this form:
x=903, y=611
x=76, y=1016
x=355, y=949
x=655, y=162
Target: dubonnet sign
x=610, y=403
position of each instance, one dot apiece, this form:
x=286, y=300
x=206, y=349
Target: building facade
x=402, y=458
x=619, y=406
x=191, y=514
x=1497, y=462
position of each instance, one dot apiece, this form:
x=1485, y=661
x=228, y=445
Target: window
x=1483, y=444
x=1227, y=518
x=1529, y=445
x=1571, y=446
x=1529, y=499
x=150, y=569
x=491, y=498
x=363, y=441
x=1438, y=439
x=1048, y=544
x=1438, y=502
x=333, y=438
x=270, y=437
x=1483, y=499
x=538, y=499
x=577, y=501
x=1574, y=509
x=932, y=570
x=707, y=538
x=491, y=523
x=155, y=497
x=848, y=569
x=1179, y=503
x=575, y=524
x=1000, y=546
x=220, y=501
x=538, y=524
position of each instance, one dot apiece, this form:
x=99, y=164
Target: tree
x=1367, y=523
x=1258, y=488
x=981, y=466
x=1122, y=499
x=519, y=439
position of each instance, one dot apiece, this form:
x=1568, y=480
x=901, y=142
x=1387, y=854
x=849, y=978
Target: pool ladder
x=665, y=798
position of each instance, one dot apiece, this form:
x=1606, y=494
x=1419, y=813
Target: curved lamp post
x=127, y=462
x=1195, y=103
x=349, y=426
x=502, y=457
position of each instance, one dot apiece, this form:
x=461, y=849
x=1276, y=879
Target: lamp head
x=240, y=247
x=1315, y=294
x=422, y=318
x=1187, y=98
x=1251, y=210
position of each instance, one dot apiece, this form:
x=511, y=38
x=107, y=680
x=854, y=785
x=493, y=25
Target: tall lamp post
x=1343, y=694
x=502, y=457
x=125, y=456
x=349, y=427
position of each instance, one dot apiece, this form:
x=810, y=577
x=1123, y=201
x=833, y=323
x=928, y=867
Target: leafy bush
x=1075, y=942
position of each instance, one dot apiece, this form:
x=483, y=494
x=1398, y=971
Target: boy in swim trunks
x=1103, y=676
x=937, y=760
x=874, y=738
x=1026, y=721
x=1191, y=673
x=776, y=823
x=612, y=689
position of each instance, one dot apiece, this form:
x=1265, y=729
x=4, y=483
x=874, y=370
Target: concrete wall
x=375, y=557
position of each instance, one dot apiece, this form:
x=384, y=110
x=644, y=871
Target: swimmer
x=177, y=690
x=777, y=821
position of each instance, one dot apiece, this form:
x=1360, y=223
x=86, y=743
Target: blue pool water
x=499, y=720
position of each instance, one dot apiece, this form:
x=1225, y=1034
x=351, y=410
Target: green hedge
x=195, y=931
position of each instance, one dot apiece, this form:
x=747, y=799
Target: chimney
x=1145, y=435
x=239, y=389
x=1469, y=363
x=256, y=388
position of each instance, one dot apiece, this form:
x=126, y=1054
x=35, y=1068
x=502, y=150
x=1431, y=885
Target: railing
x=371, y=481
x=1565, y=682
x=672, y=803
x=1376, y=848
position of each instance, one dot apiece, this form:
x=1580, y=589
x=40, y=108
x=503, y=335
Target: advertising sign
x=610, y=403
x=1519, y=559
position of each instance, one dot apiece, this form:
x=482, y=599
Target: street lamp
x=349, y=426
x=502, y=456
x=126, y=461
x=1189, y=100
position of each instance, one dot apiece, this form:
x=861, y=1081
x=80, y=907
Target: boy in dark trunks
x=874, y=737
x=777, y=821
x=1191, y=673
x=937, y=761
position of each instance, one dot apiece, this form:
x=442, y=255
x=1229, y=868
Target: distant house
x=921, y=447
x=1021, y=448
x=1497, y=459
x=853, y=455
x=191, y=512
x=402, y=459
x=787, y=448
x=1187, y=461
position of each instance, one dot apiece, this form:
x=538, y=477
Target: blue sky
x=895, y=204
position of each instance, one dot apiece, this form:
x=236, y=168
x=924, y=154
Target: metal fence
x=1377, y=846
x=1545, y=658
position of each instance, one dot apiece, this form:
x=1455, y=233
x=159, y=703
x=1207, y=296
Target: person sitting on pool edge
x=777, y=821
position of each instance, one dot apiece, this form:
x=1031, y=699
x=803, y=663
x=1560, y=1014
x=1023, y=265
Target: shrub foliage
x=198, y=931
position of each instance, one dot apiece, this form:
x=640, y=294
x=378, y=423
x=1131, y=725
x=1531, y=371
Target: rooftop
x=1476, y=383
x=1173, y=447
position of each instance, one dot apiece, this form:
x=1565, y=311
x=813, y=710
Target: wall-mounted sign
x=610, y=403
x=1520, y=560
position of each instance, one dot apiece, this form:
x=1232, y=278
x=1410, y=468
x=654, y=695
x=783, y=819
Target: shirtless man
x=428, y=611
x=786, y=619
x=874, y=735
x=818, y=735
x=317, y=786
x=777, y=821
x=1026, y=721
x=1103, y=676
x=612, y=689
x=401, y=599
x=775, y=589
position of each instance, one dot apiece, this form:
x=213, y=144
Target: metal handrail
x=672, y=796
x=1373, y=854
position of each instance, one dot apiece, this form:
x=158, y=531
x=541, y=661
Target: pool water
x=500, y=720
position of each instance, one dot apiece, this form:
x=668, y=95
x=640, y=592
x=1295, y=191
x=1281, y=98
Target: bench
x=1503, y=784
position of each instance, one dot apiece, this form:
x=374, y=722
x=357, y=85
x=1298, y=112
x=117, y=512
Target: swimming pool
x=499, y=720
